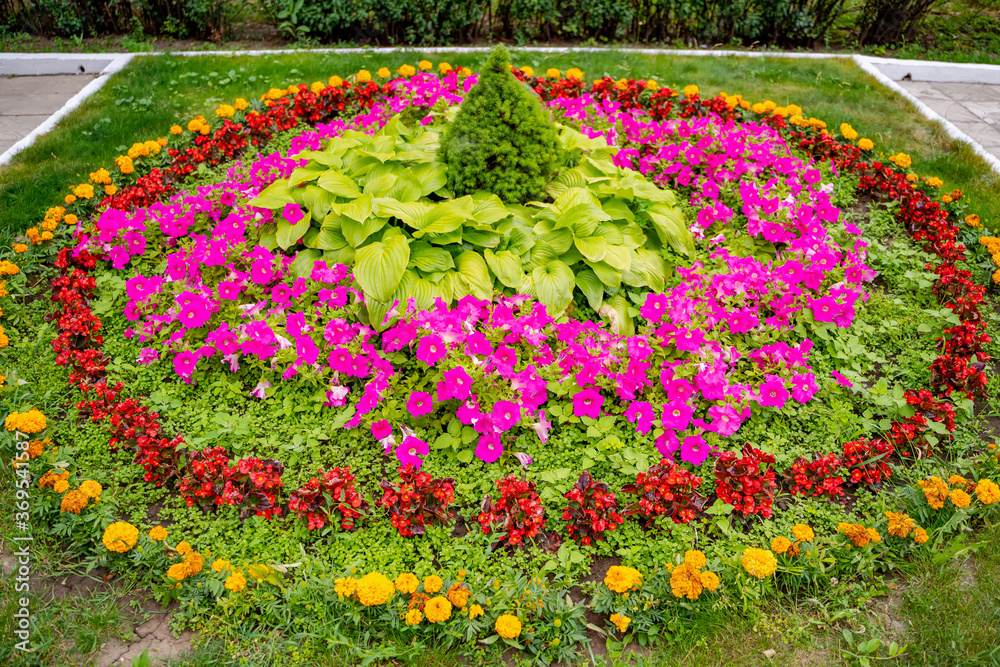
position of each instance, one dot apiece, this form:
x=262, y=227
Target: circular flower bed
x=333, y=369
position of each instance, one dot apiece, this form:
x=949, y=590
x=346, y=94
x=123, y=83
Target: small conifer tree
x=502, y=139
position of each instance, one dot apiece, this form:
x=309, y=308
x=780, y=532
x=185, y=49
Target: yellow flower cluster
x=374, y=589
x=32, y=421
x=622, y=579
x=407, y=583
x=92, y=489
x=901, y=160
x=200, y=125
x=621, y=621
x=687, y=579
x=406, y=70
x=935, y=490
x=49, y=479
x=190, y=566
x=438, y=609
x=858, y=534
x=236, y=582
x=508, y=626
x=866, y=144
x=900, y=524
x=458, y=595
x=158, y=533
x=988, y=491
x=992, y=244
x=228, y=110
x=759, y=563
x=74, y=502
x=120, y=537
x=124, y=164
x=36, y=447
x=848, y=132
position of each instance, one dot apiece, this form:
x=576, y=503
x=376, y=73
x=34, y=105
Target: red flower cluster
x=866, y=461
x=518, y=513
x=417, y=500
x=818, y=477
x=333, y=493
x=591, y=510
x=668, y=490
x=746, y=482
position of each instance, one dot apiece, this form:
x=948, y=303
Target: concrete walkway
x=974, y=108
x=26, y=101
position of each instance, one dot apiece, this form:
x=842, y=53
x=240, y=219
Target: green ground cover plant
x=304, y=598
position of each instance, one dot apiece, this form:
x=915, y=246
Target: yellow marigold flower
x=900, y=524
x=780, y=545
x=685, y=581
x=780, y=111
x=236, y=582
x=848, y=132
x=621, y=579
x=413, y=617
x=335, y=81
x=912, y=178
x=73, y=502
x=317, y=87
x=935, y=491
x=866, y=144
x=920, y=536
x=159, y=533
x=219, y=565
x=91, y=488
x=425, y=65
x=32, y=421
x=552, y=73
x=987, y=491
x=50, y=478
x=803, y=533
x=20, y=247
x=46, y=236
x=177, y=572
x=621, y=621
x=36, y=447
x=873, y=535
x=574, y=73
x=960, y=498
x=61, y=486
x=946, y=199
x=444, y=68
x=935, y=182
x=225, y=111
x=384, y=72
x=137, y=151
x=759, y=563
x=438, y=609
x=161, y=141
x=153, y=146
x=759, y=108
x=709, y=580
x=240, y=104
x=972, y=220
x=508, y=626
x=110, y=190
x=793, y=109
x=652, y=85
x=407, y=583
x=956, y=480
x=406, y=70
x=691, y=90
x=475, y=611
x=433, y=584
x=903, y=160
x=695, y=558
x=374, y=589
x=71, y=219
x=461, y=574
x=363, y=76
x=120, y=537
x=184, y=548
x=124, y=164
x=194, y=562
x=175, y=129
x=345, y=586
x=465, y=71
x=69, y=199
x=528, y=71
x=458, y=595
x=101, y=176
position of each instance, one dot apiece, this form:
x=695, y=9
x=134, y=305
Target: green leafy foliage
x=380, y=204
x=502, y=139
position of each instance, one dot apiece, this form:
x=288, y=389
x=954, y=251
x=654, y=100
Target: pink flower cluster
x=719, y=343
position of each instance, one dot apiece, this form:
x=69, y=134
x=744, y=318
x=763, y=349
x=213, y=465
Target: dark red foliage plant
x=746, y=482
x=518, y=513
x=325, y=498
x=667, y=490
x=417, y=500
x=592, y=509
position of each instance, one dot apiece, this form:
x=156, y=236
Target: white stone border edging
x=116, y=65
x=949, y=127
x=917, y=70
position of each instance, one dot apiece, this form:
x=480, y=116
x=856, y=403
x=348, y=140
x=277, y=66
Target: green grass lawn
x=153, y=93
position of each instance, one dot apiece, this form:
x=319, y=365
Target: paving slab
x=26, y=101
x=973, y=108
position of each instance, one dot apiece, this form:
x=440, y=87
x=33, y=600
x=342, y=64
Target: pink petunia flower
x=587, y=403
x=420, y=403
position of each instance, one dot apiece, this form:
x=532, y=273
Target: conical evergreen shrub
x=502, y=139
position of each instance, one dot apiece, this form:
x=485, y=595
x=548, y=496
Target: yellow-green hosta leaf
x=506, y=266
x=670, y=227
x=339, y=184
x=554, y=285
x=472, y=270
x=288, y=235
x=615, y=312
x=593, y=248
x=592, y=288
x=357, y=233
x=430, y=259
x=274, y=196
x=379, y=266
